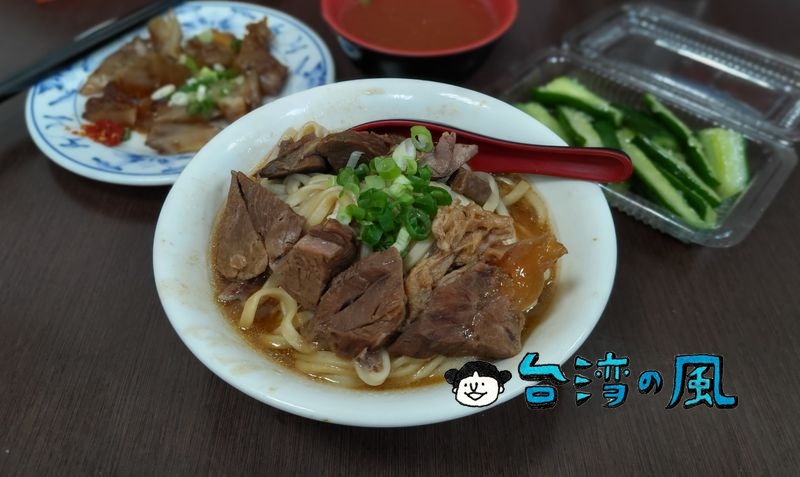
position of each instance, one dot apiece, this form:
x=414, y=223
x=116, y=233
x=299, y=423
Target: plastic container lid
x=697, y=63
x=707, y=77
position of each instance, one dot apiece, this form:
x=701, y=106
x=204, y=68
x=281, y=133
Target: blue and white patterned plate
x=54, y=108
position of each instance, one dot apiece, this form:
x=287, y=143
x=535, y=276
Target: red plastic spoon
x=496, y=155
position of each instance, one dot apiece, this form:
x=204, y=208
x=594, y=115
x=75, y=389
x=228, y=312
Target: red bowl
x=377, y=55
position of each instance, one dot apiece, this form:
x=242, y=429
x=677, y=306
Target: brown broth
x=528, y=224
x=419, y=25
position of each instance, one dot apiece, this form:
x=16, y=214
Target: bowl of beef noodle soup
x=340, y=274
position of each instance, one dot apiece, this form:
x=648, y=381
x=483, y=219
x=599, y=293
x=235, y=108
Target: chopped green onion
x=405, y=199
x=229, y=73
x=361, y=171
x=418, y=184
x=202, y=108
x=402, y=241
x=425, y=172
x=395, y=199
x=189, y=62
x=351, y=188
x=426, y=203
x=373, y=201
x=356, y=212
x=206, y=74
x=343, y=217
x=374, y=182
x=441, y=196
x=387, y=168
x=386, y=220
x=400, y=186
x=346, y=175
x=189, y=87
x=405, y=153
x=411, y=165
x=386, y=240
x=417, y=223
x=206, y=36
x=370, y=234
x=422, y=139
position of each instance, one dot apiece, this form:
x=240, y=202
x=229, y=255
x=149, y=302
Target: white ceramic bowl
x=578, y=210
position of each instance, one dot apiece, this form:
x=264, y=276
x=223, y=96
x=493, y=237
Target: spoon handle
x=501, y=156
x=588, y=163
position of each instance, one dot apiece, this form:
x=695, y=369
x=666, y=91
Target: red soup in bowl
x=435, y=39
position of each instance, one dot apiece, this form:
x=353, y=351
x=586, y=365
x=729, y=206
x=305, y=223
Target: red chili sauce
x=419, y=25
x=105, y=132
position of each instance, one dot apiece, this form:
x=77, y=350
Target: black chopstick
x=89, y=39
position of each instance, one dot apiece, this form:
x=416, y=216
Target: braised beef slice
x=179, y=138
x=115, y=66
x=448, y=155
x=165, y=70
x=470, y=185
x=259, y=67
x=364, y=306
x=278, y=225
x=145, y=74
x=336, y=148
x=315, y=259
x=240, y=290
x=422, y=279
x=298, y=156
x=463, y=234
x=239, y=250
x=114, y=105
x=216, y=51
x=165, y=34
x=173, y=113
x=127, y=87
x=256, y=229
x=329, y=153
x=464, y=317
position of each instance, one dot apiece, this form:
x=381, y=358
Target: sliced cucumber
x=657, y=185
x=726, y=151
x=541, y=113
x=668, y=118
x=646, y=125
x=694, y=150
x=568, y=91
x=608, y=135
x=667, y=160
x=705, y=210
x=578, y=126
x=607, y=132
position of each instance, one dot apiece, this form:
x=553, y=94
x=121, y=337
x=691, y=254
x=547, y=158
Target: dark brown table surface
x=94, y=380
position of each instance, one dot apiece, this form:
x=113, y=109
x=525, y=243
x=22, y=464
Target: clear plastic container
x=707, y=77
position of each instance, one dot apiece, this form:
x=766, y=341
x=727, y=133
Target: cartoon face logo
x=477, y=383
